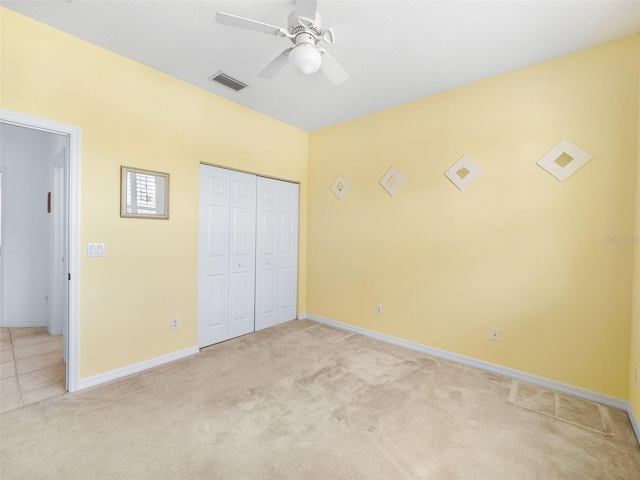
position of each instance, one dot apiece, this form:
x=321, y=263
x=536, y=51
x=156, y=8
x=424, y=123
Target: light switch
x=95, y=250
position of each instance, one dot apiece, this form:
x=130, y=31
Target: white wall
x=25, y=160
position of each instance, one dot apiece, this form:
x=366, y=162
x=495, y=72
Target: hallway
x=31, y=367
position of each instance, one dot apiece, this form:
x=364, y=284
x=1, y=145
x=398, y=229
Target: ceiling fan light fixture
x=305, y=59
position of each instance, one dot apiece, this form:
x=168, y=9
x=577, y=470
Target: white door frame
x=3, y=170
x=75, y=137
x=58, y=253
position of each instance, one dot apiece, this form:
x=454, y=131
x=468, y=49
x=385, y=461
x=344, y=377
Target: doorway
x=61, y=301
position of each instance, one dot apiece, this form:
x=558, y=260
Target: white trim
x=73, y=361
x=302, y=316
x=58, y=284
x=25, y=324
x=135, y=368
x=490, y=367
x=75, y=139
x=634, y=421
x=3, y=168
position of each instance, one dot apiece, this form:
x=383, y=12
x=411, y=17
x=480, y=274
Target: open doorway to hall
x=34, y=296
x=32, y=366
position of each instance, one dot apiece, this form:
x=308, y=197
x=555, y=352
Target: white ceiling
x=435, y=46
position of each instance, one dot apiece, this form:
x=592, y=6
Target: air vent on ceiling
x=227, y=81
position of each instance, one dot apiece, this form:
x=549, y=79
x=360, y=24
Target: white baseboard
x=634, y=421
x=24, y=324
x=302, y=316
x=135, y=368
x=491, y=367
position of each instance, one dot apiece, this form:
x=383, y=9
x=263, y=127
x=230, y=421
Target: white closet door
x=267, y=255
x=242, y=265
x=287, y=252
x=226, y=275
x=276, y=252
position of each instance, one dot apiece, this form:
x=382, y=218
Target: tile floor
x=31, y=367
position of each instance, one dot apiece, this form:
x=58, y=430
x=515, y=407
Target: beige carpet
x=304, y=401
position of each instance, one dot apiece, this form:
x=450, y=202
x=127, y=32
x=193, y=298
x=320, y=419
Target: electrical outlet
x=495, y=334
x=175, y=323
x=379, y=309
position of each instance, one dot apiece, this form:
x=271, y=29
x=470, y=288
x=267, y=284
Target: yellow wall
x=136, y=116
x=517, y=249
x=634, y=388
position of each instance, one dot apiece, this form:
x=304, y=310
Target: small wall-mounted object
x=340, y=187
x=564, y=160
x=95, y=250
x=463, y=172
x=49, y=202
x=392, y=180
x=144, y=194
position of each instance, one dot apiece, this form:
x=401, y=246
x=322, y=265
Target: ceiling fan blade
x=276, y=65
x=306, y=8
x=332, y=69
x=367, y=29
x=247, y=24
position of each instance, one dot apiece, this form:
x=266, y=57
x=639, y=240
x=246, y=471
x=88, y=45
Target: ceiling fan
x=304, y=29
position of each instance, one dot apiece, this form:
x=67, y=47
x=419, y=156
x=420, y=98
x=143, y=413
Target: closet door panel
x=242, y=264
x=277, y=252
x=266, y=255
x=287, y=252
x=215, y=294
x=213, y=267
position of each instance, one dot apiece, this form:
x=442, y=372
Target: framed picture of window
x=144, y=194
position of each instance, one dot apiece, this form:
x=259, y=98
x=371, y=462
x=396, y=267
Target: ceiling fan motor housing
x=311, y=28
